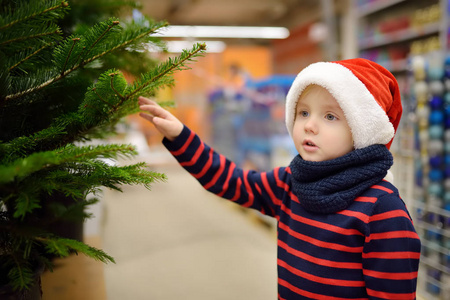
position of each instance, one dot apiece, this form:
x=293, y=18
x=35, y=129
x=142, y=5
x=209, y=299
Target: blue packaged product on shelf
x=436, y=117
x=436, y=175
x=436, y=161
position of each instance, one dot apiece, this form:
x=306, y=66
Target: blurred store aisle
x=179, y=242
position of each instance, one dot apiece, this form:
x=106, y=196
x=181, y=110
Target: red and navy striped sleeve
x=258, y=190
x=392, y=248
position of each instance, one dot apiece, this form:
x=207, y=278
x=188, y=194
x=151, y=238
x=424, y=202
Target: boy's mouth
x=309, y=143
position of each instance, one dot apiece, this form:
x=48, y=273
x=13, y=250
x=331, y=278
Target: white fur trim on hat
x=366, y=118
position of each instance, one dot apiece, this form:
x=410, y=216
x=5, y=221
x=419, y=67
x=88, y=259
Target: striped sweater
x=368, y=251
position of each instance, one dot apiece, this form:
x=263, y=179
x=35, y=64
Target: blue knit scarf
x=327, y=187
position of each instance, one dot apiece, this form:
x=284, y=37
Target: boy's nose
x=311, y=125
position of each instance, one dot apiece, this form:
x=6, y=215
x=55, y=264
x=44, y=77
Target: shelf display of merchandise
x=248, y=123
x=410, y=38
x=389, y=32
x=431, y=85
x=387, y=28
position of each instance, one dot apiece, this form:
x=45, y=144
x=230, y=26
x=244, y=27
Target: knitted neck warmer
x=327, y=187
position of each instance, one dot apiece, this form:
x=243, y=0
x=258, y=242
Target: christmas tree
x=48, y=108
x=86, y=13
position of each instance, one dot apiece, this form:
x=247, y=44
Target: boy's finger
x=155, y=110
x=143, y=100
x=146, y=116
x=162, y=124
x=150, y=108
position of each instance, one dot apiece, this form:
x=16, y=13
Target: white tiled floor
x=177, y=241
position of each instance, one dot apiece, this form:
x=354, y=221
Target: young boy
x=343, y=231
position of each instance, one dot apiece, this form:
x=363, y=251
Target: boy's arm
x=214, y=171
x=219, y=175
x=391, y=251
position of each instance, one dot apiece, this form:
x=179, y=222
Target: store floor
x=178, y=241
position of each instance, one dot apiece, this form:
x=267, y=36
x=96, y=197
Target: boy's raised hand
x=164, y=121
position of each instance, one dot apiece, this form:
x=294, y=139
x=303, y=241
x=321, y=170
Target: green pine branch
x=106, y=102
x=25, y=203
x=33, y=10
x=89, y=176
x=40, y=34
x=23, y=167
x=21, y=274
x=152, y=78
x=64, y=247
x=75, y=52
x=22, y=57
x=30, y=24
x=75, y=171
x=28, y=81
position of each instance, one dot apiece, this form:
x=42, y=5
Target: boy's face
x=320, y=129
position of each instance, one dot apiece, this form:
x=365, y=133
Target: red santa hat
x=367, y=93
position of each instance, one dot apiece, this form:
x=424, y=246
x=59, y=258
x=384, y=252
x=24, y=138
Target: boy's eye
x=330, y=117
x=303, y=113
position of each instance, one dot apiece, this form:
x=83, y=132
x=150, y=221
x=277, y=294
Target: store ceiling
x=287, y=13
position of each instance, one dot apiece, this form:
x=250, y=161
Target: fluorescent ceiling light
x=252, y=32
x=179, y=46
x=211, y=46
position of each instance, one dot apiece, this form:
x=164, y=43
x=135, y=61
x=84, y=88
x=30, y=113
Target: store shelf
x=433, y=209
x=425, y=295
x=421, y=30
x=435, y=266
x=399, y=36
x=432, y=216
x=398, y=65
x=375, y=6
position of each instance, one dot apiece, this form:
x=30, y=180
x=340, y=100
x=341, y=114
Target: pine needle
x=63, y=247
